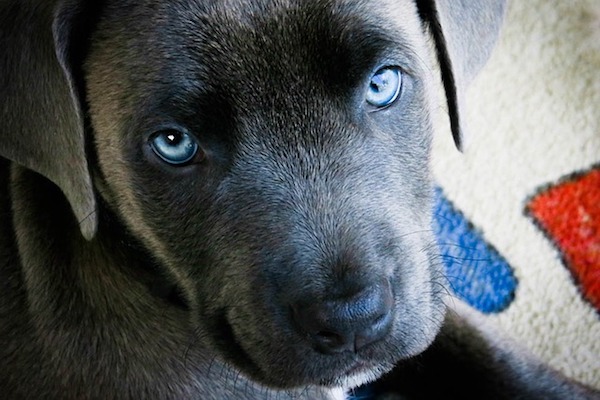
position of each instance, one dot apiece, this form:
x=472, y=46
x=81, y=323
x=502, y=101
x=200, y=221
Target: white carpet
x=534, y=120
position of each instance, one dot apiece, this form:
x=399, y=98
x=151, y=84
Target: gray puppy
x=232, y=199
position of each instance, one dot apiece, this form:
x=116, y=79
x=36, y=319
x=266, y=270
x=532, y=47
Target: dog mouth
x=342, y=370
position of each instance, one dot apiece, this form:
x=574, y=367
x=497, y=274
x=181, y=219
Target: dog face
x=300, y=196
x=271, y=156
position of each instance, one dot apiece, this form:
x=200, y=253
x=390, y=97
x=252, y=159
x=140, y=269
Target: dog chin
x=352, y=377
x=355, y=380
x=347, y=383
x=357, y=377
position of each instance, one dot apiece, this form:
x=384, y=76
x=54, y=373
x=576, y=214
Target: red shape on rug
x=569, y=213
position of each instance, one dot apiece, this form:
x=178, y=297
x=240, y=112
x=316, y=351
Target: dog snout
x=346, y=323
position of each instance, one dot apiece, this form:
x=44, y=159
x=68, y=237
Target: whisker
x=88, y=216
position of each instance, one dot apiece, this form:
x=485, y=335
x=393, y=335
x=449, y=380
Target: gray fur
x=123, y=277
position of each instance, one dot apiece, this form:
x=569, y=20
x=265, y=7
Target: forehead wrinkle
x=300, y=32
x=232, y=58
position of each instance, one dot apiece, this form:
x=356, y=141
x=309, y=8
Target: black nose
x=349, y=323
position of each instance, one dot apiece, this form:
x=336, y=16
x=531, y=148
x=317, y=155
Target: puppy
x=230, y=199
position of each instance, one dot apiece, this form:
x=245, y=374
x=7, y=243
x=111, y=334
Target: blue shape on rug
x=477, y=273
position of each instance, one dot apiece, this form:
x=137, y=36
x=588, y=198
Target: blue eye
x=173, y=146
x=384, y=87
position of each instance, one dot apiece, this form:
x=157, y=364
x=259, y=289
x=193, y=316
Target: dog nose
x=348, y=323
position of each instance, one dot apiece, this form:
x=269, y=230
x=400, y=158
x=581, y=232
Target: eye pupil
x=173, y=139
x=378, y=82
x=174, y=147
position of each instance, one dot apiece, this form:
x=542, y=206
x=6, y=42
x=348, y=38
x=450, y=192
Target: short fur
x=125, y=277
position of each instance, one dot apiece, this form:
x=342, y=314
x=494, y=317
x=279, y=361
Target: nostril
x=379, y=328
x=382, y=320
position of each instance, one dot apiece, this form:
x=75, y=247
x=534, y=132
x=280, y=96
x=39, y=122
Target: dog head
x=271, y=155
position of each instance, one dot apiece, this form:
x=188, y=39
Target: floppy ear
x=464, y=32
x=41, y=118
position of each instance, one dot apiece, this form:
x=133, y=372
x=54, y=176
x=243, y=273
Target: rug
x=518, y=212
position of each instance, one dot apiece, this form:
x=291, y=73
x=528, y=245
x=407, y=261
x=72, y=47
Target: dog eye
x=174, y=147
x=384, y=87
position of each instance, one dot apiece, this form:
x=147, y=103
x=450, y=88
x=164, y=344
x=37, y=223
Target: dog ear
x=464, y=32
x=42, y=123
